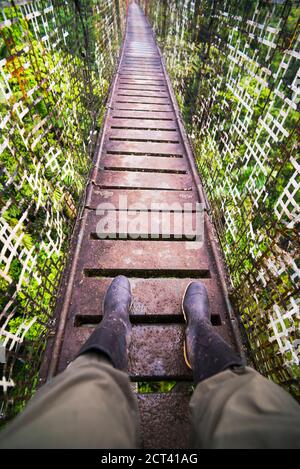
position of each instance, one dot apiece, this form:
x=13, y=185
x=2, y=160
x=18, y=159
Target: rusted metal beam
x=143, y=165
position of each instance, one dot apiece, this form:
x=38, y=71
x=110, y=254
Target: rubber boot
x=112, y=336
x=205, y=351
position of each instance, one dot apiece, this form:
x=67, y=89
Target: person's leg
x=90, y=404
x=242, y=409
x=233, y=406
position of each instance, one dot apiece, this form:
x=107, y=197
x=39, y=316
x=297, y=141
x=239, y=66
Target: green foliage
x=235, y=93
x=155, y=386
x=52, y=101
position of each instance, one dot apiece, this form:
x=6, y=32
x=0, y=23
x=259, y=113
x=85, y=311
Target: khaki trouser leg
x=89, y=405
x=244, y=410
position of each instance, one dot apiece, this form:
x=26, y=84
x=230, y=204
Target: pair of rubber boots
x=205, y=352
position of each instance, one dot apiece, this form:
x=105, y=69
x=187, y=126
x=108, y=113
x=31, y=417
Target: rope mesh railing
x=235, y=69
x=234, y=66
x=56, y=62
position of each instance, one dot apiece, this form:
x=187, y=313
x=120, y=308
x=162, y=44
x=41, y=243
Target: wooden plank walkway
x=143, y=158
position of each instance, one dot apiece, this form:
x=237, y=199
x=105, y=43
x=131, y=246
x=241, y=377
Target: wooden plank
x=145, y=148
x=141, y=59
x=142, y=225
x=141, y=93
x=153, y=297
x=143, y=162
x=141, y=66
x=140, y=53
x=152, y=52
x=155, y=351
x=142, y=124
x=144, y=198
x=136, y=180
x=147, y=54
x=124, y=98
x=137, y=89
x=142, y=107
x=165, y=421
x=141, y=76
x=143, y=82
x=146, y=115
x=142, y=70
x=144, y=135
x=143, y=256
x=141, y=63
x=161, y=81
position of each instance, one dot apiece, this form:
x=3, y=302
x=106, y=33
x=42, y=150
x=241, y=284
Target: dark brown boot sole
x=187, y=362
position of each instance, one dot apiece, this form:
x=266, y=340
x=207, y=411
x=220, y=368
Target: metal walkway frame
x=143, y=155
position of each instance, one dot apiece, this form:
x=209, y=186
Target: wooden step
x=133, y=106
x=147, y=163
x=144, y=135
x=144, y=148
x=145, y=256
x=147, y=115
x=156, y=351
x=124, y=91
x=110, y=223
x=140, y=180
x=159, y=298
x=165, y=419
x=147, y=199
x=135, y=123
